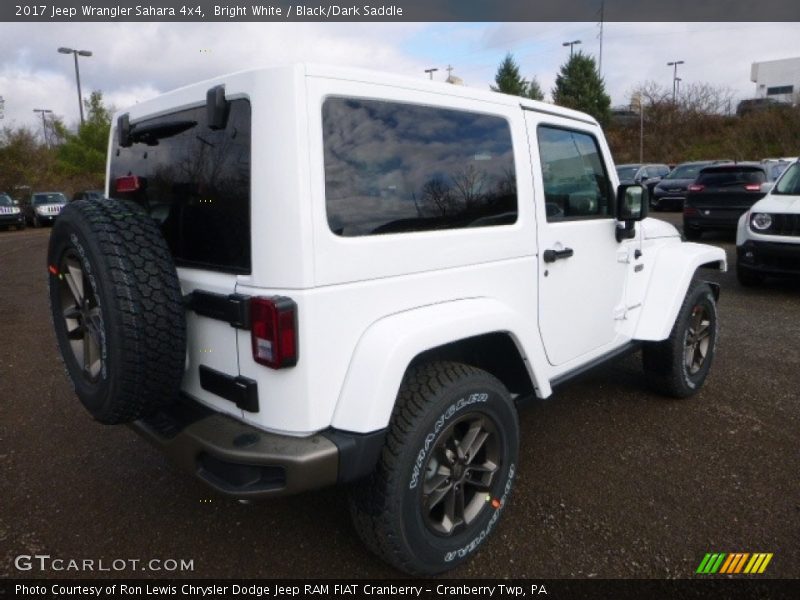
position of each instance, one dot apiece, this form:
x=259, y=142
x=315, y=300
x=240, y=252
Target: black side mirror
x=217, y=108
x=632, y=205
x=124, y=130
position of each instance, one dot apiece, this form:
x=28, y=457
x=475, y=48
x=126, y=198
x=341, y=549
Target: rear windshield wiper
x=150, y=133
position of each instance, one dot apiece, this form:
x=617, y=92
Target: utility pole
x=674, y=64
x=431, y=72
x=43, y=112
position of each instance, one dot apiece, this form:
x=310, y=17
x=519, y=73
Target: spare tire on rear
x=117, y=309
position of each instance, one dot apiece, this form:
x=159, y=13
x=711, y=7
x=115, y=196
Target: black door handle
x=554, y=255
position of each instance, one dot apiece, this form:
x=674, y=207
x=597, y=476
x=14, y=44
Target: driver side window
x=576, y=185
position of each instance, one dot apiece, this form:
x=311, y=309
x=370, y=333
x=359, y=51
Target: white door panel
x=582, y=291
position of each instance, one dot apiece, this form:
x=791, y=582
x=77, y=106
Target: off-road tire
x=748, y=278
x=138, y=317
x=665, y=363
x=387, y=507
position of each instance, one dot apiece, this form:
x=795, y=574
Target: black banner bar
x=400, y=10
x=749, y=587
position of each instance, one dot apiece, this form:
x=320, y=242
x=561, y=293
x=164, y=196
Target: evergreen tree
x=85, y=152
x=579, y=86
x=534, y=90
x=508, y=78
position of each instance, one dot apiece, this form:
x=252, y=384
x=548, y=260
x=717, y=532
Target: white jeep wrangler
x=308, y=276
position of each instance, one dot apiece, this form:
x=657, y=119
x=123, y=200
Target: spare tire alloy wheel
x=82, y=315
x=117, y=309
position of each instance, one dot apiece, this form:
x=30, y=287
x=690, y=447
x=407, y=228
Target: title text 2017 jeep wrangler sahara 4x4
x=307, y=276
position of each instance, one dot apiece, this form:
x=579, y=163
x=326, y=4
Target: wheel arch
x=673, y=271
x=479, y=332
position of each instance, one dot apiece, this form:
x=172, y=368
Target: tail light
x=753, y=187
x=696, y=187
x=690, y=211
x=129, y=183
x=273, y=331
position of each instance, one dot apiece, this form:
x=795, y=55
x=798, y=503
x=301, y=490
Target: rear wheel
x=679, y=365
x=445, y=473
x=117, y=309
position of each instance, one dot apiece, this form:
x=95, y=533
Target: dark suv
x=647, y=175
x=670, y=192
x=720, y=195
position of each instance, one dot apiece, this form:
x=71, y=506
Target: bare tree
x=438, y=193
x=469, y=183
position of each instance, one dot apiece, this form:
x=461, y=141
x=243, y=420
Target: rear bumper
x=769, y=258
x=727, y=222
x=241, y=461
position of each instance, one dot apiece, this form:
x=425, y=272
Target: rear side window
x=576, y=185
x=723, y=177
x=195, y=182
x=393, y=167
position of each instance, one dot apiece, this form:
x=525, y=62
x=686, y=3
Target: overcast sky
x=135, y=61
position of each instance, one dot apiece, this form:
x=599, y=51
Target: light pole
x=674, y=64
x=641, y=129
x=678, y=87
x=431, y=72
x=44, y=111
x=571, y=44
x=76, y=53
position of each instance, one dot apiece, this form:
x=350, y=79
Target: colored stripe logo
x=734, y=563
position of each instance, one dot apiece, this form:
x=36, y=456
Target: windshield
x=5, y=200
x=54, y=198
x=685, y=171
x=790, y=182
x=627, y=172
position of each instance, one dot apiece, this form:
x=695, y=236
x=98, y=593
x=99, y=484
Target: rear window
x=195, y=182
x=627, y=172
x=392, y=167
x=712, y=177
x=685, y=172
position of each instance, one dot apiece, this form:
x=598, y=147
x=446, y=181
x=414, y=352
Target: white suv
x=306, y=276
x=768, y=235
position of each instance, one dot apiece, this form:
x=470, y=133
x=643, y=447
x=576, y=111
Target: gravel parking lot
x=613, y=482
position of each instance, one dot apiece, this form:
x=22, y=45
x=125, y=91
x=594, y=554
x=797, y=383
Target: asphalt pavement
x=614, y=481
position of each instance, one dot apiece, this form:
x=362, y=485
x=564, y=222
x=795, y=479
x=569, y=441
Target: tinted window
x=724, y=177
x=685, y=171
x=392, y=167
x=627, y=172
x=576, y=184
x=195, y=182
x=5, y=200
x=790, y=182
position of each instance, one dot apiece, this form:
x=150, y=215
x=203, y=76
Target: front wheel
x=679, y=365
x=446, y=471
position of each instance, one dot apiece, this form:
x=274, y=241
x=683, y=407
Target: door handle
x=553, y=255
